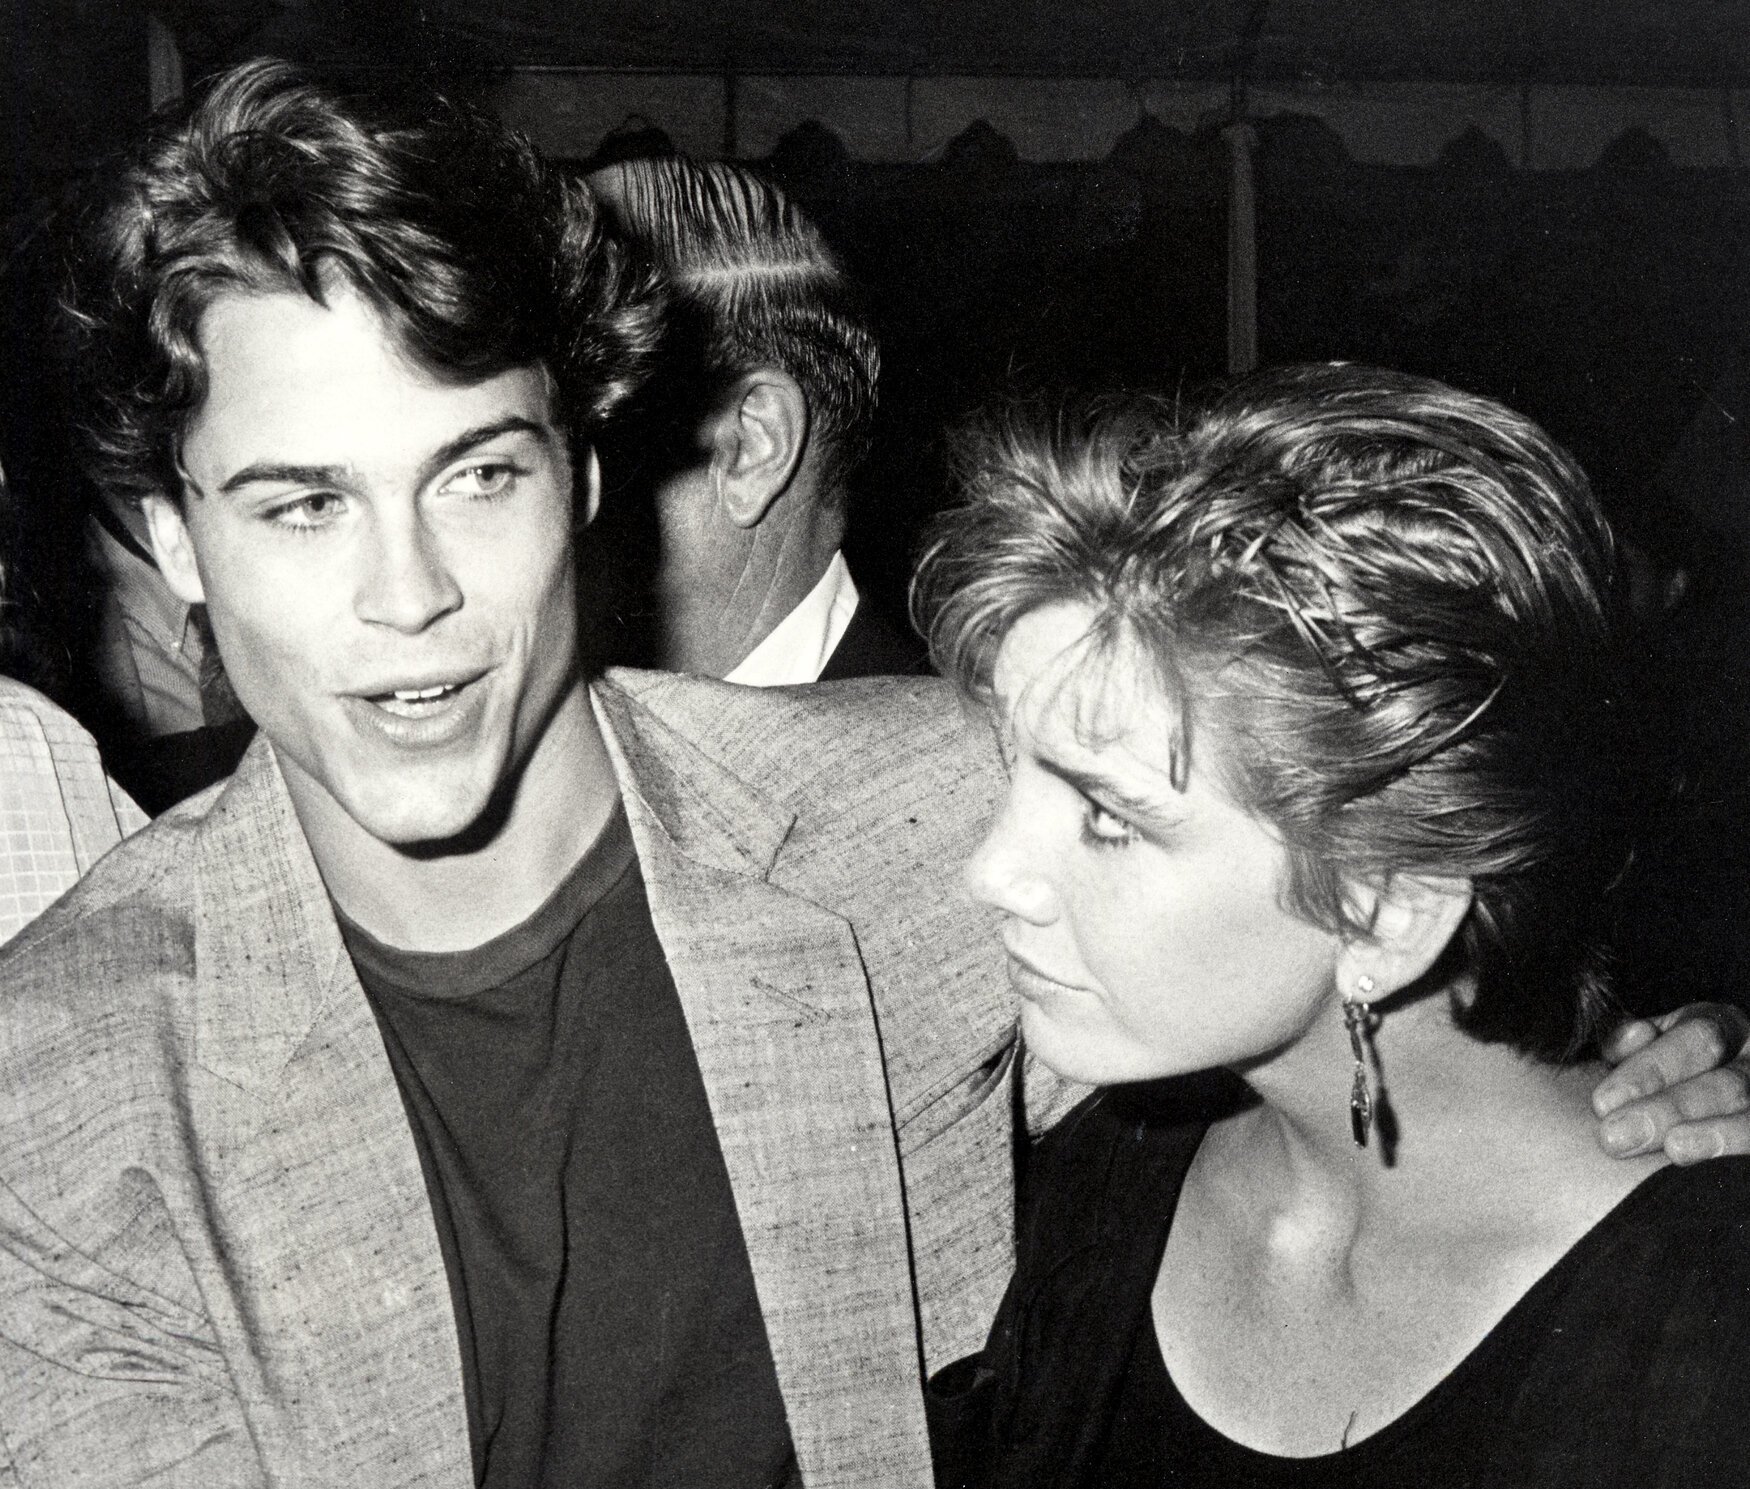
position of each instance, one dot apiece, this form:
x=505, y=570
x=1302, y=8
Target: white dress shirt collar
x=798, y=647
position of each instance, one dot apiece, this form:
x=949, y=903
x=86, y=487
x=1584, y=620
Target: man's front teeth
x=420, y=695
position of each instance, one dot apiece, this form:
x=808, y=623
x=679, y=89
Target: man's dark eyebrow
x=289, y=475
x=481, y=433
x=334, y=475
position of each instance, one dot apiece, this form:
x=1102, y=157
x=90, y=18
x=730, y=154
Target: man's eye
x=484, y=480
x=314, y=510
x=1103, y=829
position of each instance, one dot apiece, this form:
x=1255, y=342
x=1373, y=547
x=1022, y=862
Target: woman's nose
x=1006, y=872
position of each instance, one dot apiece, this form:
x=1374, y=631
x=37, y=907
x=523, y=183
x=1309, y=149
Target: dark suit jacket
x=872, y=647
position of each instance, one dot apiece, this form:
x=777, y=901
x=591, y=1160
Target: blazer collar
x=268, y=953
x=778, y=1004
x=707, y=811
x=337, y=1285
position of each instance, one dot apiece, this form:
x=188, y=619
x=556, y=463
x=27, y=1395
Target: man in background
x=759, y=415
x=171, y=724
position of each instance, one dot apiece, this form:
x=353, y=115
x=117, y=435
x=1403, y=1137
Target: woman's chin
x=1093, y=1057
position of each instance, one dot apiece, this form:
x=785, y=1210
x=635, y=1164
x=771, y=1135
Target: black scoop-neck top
x=1626, y=1364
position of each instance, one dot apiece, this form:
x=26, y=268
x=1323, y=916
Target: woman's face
x=1145, y=924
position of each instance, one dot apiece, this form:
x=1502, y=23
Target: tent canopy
x=1687, y=43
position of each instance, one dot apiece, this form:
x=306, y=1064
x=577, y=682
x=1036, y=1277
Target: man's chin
x=441, y=830
x=422, y=818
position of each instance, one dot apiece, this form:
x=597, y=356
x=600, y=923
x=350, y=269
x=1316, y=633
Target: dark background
x=1611, y=302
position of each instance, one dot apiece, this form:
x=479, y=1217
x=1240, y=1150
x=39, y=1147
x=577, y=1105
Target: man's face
x=386, y=560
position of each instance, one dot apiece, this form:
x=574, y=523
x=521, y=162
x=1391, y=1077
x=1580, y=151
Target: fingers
x=1672, y=1088
x=1628, y=1038
x=1701, y=1140
x=1656, y=1055
x=1703, y=1117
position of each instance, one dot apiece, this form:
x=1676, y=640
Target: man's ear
x=586, y=489
x=1411, y=920
x=172, y=549
x=758, y=440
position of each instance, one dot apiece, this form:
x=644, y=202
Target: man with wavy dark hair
x=494, y=1081
x=423, y=264
x=763, y=410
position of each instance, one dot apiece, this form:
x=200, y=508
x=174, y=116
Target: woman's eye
x=485, y=480
x=1104, y=829
x=314, y=510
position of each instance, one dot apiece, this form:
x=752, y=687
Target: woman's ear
x=173, y=550
x=1410, y=921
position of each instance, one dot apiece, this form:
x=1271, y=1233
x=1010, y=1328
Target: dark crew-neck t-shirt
x=610, y=1335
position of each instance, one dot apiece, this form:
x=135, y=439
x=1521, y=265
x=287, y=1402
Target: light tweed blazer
x=217, y=1260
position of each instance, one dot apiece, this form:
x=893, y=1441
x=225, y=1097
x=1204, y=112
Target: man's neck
x=709, y=628
x=456, y=900
x=798, y=649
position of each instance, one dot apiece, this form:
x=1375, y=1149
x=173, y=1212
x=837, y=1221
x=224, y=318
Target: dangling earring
x=1358, y=1018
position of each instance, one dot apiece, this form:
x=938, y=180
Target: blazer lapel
x=317, y=1209
x=779, y=1008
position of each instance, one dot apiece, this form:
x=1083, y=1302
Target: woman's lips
x=1030, y=982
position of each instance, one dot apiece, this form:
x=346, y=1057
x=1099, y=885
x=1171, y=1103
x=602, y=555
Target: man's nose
x=1006, y=871
x=407, y=583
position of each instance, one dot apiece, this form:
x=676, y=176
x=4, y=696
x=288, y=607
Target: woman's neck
x=1311, y=1292
x=1463, y=1129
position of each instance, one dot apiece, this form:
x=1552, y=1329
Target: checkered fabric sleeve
x=59, y=812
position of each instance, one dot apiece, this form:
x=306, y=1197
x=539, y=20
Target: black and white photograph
x=819, y=746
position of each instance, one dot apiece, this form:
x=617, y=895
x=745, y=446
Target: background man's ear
x=173, y=550
x=758, y=440
x=1411, y=920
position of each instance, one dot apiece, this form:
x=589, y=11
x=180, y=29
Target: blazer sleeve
x=106, y=1377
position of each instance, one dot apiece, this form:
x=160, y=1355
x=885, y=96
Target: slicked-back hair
x=1390, y=605
x=479, y=257
x=760, y=286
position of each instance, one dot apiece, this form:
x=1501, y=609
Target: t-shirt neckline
x=451, y=975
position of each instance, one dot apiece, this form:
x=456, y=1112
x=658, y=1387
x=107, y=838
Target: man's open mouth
x=417, y=703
